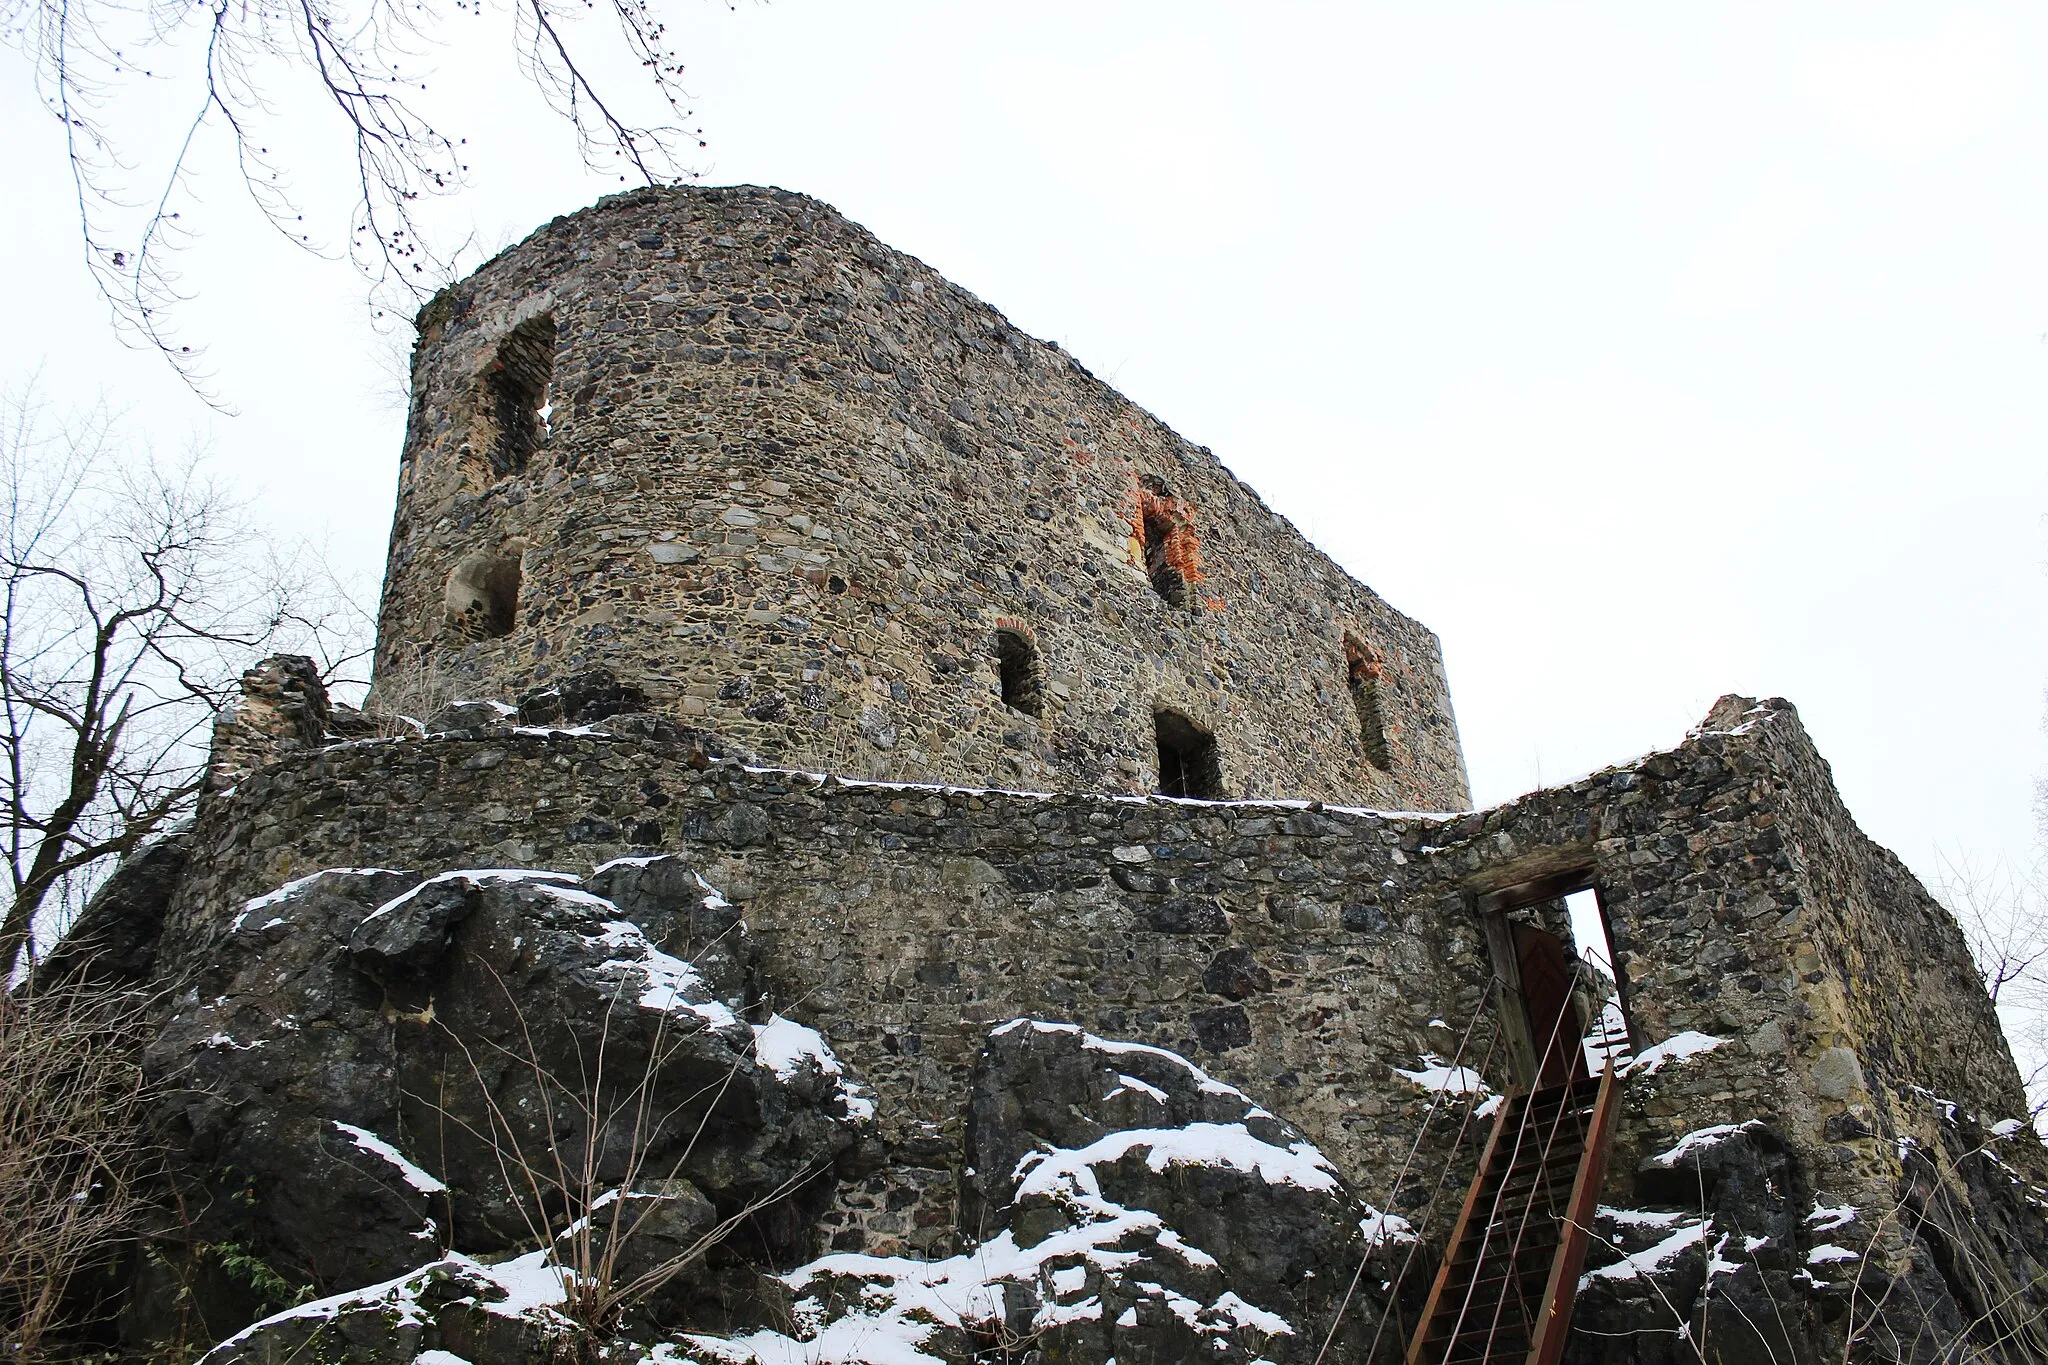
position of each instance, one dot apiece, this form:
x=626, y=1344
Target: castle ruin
x=1072, y=870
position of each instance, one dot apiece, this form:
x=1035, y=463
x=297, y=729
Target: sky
x=1645, y=353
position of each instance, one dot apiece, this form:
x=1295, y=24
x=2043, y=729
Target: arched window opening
x=483, y=595
x=1364, y=671
x=516, y=394
x=1017, y=671
x=1188, y=761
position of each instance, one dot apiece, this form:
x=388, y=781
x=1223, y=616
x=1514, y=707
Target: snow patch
x=1245, y=1315
x=559, y=882
x=1127, y=1084
x=1828, y=1217
x=285, y=892
x=1640, y=1218
x=1682, y=1047
x=376, y=1146
x=1070, y=1170
x=1381, y=1229
x=641, y=860
x=531, y=1285
x=1649, y=1260
x=666, y=981
x=1699, y=1139
x=1441, y=1078
x=785, y=1047
x=1204, y=1082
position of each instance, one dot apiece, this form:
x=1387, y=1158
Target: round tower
x=801, y=491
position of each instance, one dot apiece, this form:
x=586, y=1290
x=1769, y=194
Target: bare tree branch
x=132, y=595
x=364, y=61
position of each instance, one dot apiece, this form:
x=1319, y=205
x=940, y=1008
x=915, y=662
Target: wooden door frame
x=1492, y=907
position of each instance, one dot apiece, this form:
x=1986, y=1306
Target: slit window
x=1017, y=672
x=483, y=596
x=1188, y=761
x=516, y=395
x=1363, y=672
x=1167, y=580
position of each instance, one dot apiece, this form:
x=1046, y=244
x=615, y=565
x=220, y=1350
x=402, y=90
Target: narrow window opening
x=1167, y=580
x=1363, y=673
x=1017, y=671
x=516, y=395
x=483, y=596
x=1188, y=761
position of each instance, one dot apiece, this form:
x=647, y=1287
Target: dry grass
x=590, y=1122
x=407, y=696
x=74, y=1153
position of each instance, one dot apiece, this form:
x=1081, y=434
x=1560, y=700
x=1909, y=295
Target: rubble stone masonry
x=806, y=493
x=1307, y=953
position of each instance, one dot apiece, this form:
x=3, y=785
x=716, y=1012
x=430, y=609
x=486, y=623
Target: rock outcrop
x=1127, y=1207
x=373, y=1069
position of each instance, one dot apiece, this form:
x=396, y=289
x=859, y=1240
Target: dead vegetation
x=74, y=1153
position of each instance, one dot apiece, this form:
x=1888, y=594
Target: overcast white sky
x=1645, y=353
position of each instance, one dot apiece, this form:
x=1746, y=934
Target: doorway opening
x=1563, y=1007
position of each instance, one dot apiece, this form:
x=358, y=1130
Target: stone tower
x=799, y=490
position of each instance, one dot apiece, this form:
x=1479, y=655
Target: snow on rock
x=1640, y=1218
x=1441, y=1078
x=528, y=1287
x=524, y=971
x=1826, y=1254
x=1132, y=1085
x=1380, y=1229
x=1828, y=1217
x=559, y=882
x=787, y=1048
x=1653, y=1259
x=1699, y=1139
x=376, y=1146
x=1080, y=1234
x=1197, y=1144
x=1247, y=1315
x=1679, y=1048
x=636, y=860
x=1204, y=1082
x=297, y=884
x=896, y=1307
x=666, y=982
x=220, y=1039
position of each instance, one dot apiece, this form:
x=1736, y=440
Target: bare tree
x=132, y=594
x=235, y=64
x=2004, y=915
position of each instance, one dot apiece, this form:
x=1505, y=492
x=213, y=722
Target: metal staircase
x=1504, y=1292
